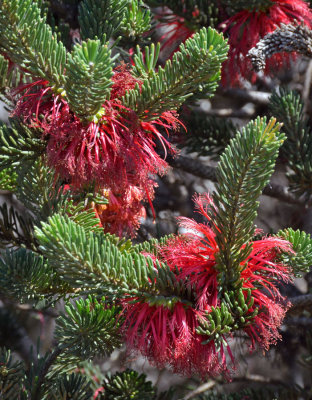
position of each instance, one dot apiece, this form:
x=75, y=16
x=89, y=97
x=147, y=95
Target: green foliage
x=83, y=216
x=91, y=260
x=94, y=262
x=208, y=136
x=136, y=21
x=28, y=41
x=101, y=17
x=233, y=314
x=217, y=322
x=8, y=178
x=198, y=62
x=151, y=246
x=301, y=261
x=72, y=387
x=244, y=169
x=89, y=70
x=128, y=385
x=4, y=66
x=287, y=107
x=18, y=144
x=88, y=329
x=16, y=229
x=145, y=63
x=27, y=277
x=11, y=375
x=40, y=190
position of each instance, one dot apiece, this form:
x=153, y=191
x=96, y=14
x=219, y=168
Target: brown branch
x=248, y=95
x=197, y=168
x=300, y=303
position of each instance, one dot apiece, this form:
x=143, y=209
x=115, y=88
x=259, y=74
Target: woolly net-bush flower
x=247, y=27
x=169, y=335
x=118, y=151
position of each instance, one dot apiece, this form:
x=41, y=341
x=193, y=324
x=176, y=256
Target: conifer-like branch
x=89, y=259
x=28, y=277
x=88, y=329
x=89, y=70
x=18, y=143
x=197, y=62
x=101, y=17
x=287, y=107
x=301, y=261
x=243, y=171
x=29, y=42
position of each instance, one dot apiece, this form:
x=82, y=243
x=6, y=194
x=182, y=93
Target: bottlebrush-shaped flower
x=169, y=336
x=247, y=27
x=117, y=151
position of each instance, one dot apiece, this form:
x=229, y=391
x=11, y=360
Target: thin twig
x=248, y=95
x=200, y=389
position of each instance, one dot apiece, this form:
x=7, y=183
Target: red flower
x=247, y=27
x=117, y=152
x=168, y=336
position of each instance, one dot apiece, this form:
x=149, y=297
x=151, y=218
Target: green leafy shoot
x=244, y=169
x=97, y=263
x=89, y=70
x=40, y=190
x=18, y=144
x=8, y=179
x=287, y=107
x=136, y=386
x=88, y=329
x=136, y=21
x=145, y=64
x=12, y=375
x=99, y=18
x=301, y=260
x=29, y=42
x=27, y=276
x=198, y=61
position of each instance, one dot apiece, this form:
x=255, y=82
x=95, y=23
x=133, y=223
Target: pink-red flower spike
x=168, y=336
x=117, y=151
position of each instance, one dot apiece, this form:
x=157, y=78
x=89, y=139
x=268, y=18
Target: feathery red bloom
x=247, y=27
x=118, y=151
x=168, y=336
x=196, y=258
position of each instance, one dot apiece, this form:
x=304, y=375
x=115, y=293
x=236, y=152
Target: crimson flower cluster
x=168, y=336
x=117, y=153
